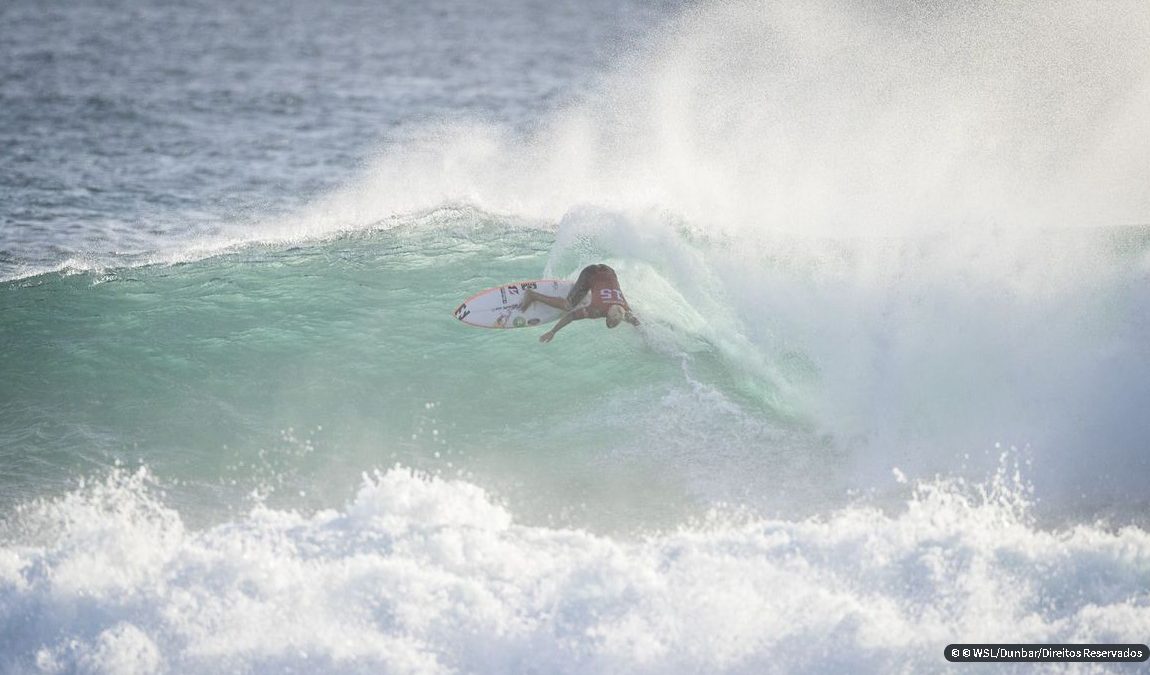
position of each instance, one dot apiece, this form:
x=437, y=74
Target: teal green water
x=292, y=369
x=788, y=377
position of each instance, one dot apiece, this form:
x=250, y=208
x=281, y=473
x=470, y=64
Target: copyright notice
x=1039, y=653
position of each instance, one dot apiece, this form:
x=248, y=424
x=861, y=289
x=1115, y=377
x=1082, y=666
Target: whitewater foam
x=421, y=574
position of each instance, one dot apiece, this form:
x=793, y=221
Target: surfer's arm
x=631, y=319
x=567, y=318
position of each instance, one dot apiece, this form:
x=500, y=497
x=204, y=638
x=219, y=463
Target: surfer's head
x=615, y=315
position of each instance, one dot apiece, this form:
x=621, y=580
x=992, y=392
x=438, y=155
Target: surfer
x=607, y=301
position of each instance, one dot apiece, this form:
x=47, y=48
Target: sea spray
x=824, y=118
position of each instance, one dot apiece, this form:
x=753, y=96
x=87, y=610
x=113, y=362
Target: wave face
x=312, y=362
x=888, y=393
x=776, y=374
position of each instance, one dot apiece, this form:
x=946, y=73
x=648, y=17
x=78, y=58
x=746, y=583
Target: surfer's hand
x=546, y=337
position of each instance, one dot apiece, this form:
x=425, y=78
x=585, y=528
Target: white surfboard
x=498, y=307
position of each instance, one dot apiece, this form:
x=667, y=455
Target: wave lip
x=421, y=574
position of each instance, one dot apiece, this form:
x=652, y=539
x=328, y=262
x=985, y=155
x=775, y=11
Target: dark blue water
x=126, y=123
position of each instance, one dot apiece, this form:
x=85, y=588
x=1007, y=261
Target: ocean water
x=890, y=390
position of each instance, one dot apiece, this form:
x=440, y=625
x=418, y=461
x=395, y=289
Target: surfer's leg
x=550, y=301
x=533, y=297
x=582, y=285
